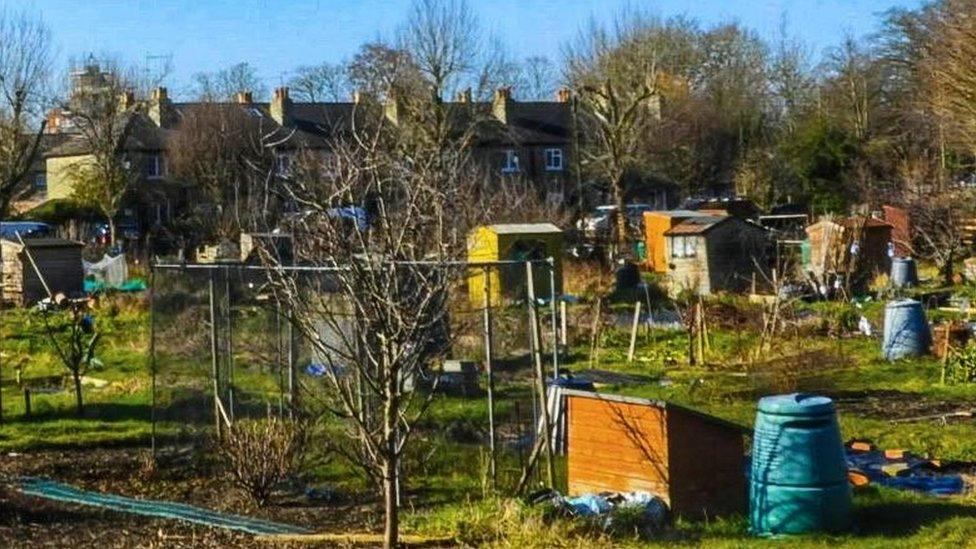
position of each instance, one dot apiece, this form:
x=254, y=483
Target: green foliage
x=961, y=366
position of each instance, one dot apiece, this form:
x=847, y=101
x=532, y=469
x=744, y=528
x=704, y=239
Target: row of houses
x=529, y=140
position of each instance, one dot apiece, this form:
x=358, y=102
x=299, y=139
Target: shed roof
x=660, y=404
x=46, y=243
x=696, y=225
x=524, y=228
x=676, y=213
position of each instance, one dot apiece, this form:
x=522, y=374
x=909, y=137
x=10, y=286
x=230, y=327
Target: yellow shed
x=655, y=225
x=513, y=242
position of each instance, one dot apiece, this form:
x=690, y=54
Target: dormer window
x=554, y=160
x=511, y=162
x=254, y=112
x=40, y=182
x=155, y=166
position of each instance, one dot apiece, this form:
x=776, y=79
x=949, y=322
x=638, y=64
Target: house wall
x=735, y=250
x=688, y=273
x=616, y=446
x=706, y=464
x=61, y=172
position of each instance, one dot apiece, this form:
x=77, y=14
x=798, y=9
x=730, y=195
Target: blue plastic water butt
x=906, y=332
x=904, y=273
x=798, y=482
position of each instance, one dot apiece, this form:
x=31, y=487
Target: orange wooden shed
x=655, y=225
x=691, y=460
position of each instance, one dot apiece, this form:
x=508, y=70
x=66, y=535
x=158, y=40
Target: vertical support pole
x=540, y=373
x=562, y=319
x=555, y=324
x=27, y=402
x=213, y=353
x=633, y=332
x=489, y=369
x=292, y=360
x=152, y=359
x=230, y=346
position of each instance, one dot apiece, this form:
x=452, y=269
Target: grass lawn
x=446, y=467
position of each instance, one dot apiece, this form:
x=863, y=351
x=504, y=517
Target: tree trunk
x=391, y=460
x=111, y=231
x=620, y=218
x=79, y=405
x=391, y=531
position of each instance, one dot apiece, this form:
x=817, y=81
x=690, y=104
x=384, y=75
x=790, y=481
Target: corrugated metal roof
x=524, y=228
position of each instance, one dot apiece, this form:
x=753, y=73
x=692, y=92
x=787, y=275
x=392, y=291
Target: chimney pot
x=563, y=95
x=160, y=94
x=244, y=96
x=464, y=96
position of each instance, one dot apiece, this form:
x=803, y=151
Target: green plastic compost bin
x=798, y=480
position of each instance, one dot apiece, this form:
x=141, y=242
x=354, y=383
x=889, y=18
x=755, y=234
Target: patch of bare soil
x=27, y=521
x=896, y=405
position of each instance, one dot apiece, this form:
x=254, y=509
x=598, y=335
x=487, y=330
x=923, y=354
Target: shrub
x=260, y=454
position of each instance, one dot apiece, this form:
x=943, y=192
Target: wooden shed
x=901, y=229
x=691, y=460
x=513, y=242
x=655, y=225
x=711, y=254
x=58, y=259
x=831, y=241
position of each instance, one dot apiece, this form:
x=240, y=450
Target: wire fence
x=223, y=349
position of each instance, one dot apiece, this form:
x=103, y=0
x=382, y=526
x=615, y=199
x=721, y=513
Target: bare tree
x=102, y=107
x=379, y=67
x=386, y=215
x=223, y=152
x=324, y=82
x=223, y=84
x=616, y=118
x=25, y=60
x=442, y=38
x=937, y=224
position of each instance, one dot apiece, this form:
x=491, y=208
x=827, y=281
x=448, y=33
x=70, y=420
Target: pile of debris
x=901, y=470
x=617, y=512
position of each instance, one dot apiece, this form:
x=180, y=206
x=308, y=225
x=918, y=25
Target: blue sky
x=278, y=35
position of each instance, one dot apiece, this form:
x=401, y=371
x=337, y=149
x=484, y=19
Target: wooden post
x=489, y=369
x=552, y=310
x=539, y=372
x=562, y=332
x=27, y=402
x=633, y=331
x=594, y=329
x=230, y=346
x=292, y=361
x=215, y=370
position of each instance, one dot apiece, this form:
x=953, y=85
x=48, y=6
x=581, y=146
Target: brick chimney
x=564, y=95
x=243, y=97
x=464, y=96
x=127, y=100
x=501, y=104
x=281, y=106
x=160, y=108
x=53, y=121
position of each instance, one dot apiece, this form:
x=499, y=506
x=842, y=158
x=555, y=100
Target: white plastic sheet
x=112, y=271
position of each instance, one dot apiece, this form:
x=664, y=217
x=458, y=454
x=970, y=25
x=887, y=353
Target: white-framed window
x=684, y=246
x=554, y=160
x=254, y=112
x=283, y=164
x=155, y=166
x=510, y=164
